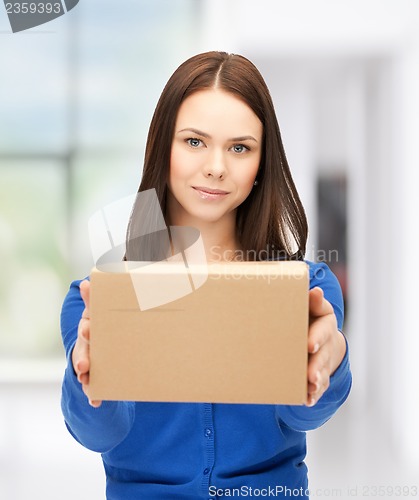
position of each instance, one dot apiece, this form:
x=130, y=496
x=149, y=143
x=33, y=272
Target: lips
x=209, y=193
x=209, y=190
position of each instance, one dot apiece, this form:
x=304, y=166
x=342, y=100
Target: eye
x=240, y=148
x=194, y=143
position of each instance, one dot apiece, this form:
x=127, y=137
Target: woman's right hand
x=80, y=357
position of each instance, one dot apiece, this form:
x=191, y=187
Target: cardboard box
x=237, y=333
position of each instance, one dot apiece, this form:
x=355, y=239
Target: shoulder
x=321, y=275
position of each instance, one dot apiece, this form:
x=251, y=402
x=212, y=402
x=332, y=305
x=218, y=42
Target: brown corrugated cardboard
x=241, y=337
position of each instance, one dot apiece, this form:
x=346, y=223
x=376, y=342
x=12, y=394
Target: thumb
x=317, y=304
x=85, y=295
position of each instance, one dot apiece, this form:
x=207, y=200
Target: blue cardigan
x=159, y=451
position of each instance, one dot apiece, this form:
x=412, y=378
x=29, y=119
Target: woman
x=215, y=157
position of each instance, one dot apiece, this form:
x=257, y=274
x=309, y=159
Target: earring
x=255, y=183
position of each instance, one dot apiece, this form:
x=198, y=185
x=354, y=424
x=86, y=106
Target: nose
x=215, y=166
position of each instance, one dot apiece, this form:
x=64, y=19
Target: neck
x=219, y=237
x=219, y=247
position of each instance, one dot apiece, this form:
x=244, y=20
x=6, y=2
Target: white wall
x=376, y=45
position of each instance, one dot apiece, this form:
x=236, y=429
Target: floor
x=348, y=457
x=39, y=460
x=352, y=456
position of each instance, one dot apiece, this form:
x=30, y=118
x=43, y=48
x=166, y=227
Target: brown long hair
x=271, y=222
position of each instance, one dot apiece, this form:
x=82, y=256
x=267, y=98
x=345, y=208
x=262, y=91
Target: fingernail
x=311, y=403
x=316, y=348
x=85, y=338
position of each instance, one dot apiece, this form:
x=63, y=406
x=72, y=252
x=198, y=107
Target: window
x=77, y=97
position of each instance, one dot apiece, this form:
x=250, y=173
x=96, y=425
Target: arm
x=329, y=375
x=97, y=425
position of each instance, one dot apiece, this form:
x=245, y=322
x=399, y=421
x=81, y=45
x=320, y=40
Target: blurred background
x=76, y=99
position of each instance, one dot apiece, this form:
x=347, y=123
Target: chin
x=204, y=216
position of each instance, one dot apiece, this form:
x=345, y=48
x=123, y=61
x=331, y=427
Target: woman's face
x=215, y=156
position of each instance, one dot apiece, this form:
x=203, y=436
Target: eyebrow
x=207, y=136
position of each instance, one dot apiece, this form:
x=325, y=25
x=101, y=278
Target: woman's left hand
x=326, y=345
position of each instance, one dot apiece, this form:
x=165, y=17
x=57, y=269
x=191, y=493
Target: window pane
x=34, y=89
x=126, y=53
x=98, y=181
x=32, y=257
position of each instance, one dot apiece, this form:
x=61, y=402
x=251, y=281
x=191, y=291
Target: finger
x=316, y=391
x=80, y=356
x=82, y=361
x=314, y=341
x=82, y=367
x=321, y=327
x=318, y=374
x=84, y=330
x=314, y=371
x=85, y=295
x=318, y=362
x=95, y=403
x=317, y=304
x=319, y=333
x=81, y=364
